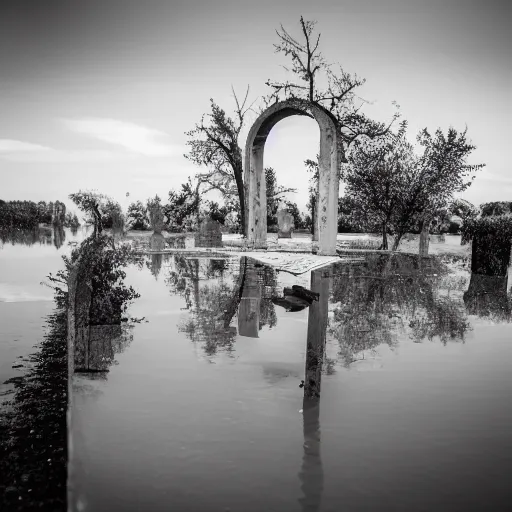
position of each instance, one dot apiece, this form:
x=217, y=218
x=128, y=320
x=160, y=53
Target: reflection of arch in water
x=330, y=157
x=257, y=286
x=249, y=307
x=311, y=474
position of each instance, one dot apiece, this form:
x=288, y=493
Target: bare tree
x=333, y=91
x=214, y=144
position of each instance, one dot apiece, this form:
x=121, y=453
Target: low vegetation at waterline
x=28, y=214
x=33, y=431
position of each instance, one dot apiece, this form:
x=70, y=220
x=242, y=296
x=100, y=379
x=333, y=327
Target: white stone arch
x=331, y=155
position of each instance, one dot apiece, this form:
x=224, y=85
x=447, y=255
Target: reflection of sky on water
x=26, y=258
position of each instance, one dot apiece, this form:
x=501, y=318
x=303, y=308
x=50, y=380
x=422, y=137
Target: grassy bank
x=33, y=430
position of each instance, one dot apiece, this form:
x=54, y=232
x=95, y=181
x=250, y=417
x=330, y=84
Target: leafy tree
x=352, y=218
x=111, y=214
x=20, y=215
x=214, y=144
x=434, y=177
x=155, y=213
x=405, y=191
x=298, y=221
x=61, y=209
x=495, y=208
x=274, y=194
x=216, y=212
x=103, y=211
x=90, y=202
x=181, y=205
x=137, y=216
x=71, y=220
x=376, y=178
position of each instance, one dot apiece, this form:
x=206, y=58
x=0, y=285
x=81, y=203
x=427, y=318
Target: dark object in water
x=296, y=298
x=301, y=385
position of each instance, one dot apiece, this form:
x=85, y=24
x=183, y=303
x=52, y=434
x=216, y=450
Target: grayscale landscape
x=255, y=256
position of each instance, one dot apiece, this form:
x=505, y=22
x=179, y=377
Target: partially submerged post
x=317, y=327
x=79, y=322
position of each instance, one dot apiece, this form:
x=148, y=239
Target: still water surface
x=25, y=261
x=198, y=414
x=415, y=403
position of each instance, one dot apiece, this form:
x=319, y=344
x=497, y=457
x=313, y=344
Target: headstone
x=285, y=224
x=209, y=234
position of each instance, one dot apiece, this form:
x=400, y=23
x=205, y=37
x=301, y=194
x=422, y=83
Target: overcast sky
x=97, y=94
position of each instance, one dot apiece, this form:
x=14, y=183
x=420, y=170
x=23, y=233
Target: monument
x=331, y=155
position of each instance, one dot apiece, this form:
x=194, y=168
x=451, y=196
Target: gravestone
x=285, y=224
x=209, y=234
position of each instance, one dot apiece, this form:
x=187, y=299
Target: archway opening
x=289, y=144
x=329, y=160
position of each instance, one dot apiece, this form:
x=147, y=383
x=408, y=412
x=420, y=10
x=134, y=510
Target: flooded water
x=202, y=409
x=25, y=260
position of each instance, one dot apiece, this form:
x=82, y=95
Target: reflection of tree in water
x=214, y=304
x=177, y=277
x=104, y=343
x=59, y=236
x=205, y=323
x=154, y=264
x=43, y=235
x=387, y=294
x=206, y=302
x=20, y=236
x=26, y=236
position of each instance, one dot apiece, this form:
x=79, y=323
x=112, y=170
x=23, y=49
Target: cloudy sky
x=97, y=94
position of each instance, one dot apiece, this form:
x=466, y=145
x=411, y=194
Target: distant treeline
x=28, y=214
